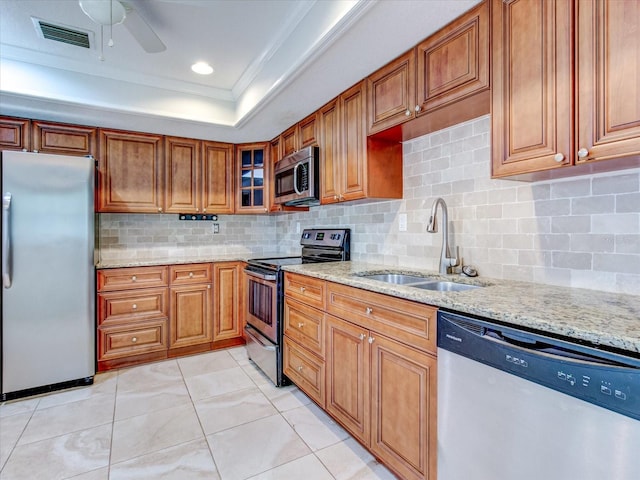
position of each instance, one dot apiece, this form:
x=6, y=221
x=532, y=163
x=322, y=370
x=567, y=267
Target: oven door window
x=261, y=308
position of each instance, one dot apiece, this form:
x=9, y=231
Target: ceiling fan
x=115, y=12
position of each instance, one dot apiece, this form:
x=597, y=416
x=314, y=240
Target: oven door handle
x=262, y=276
x=258, y=340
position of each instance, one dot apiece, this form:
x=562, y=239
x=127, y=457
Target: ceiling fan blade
x=142, y=32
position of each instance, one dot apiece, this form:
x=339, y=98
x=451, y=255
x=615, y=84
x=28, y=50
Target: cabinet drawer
x=123, y=341
x=129, y=278
x=305, y=370
x=190, y=273
x=306, y=289
x=305, y=325
x=134, y=305
x=409, y=322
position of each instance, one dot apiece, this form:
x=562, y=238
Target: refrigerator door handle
x=6, y=241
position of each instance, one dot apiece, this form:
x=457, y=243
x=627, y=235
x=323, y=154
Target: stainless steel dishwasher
x=514, y=405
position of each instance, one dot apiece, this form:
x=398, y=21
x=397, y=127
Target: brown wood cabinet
x=131, y=172
x=354, y=166
x=15, y=133
x=133, y=312
x=190, y=318
x=548, y=118
x=298, y=136
x=252, y=171
x=198, y=176
x=228, y=300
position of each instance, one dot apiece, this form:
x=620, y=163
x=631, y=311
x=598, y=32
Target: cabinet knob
x=341, y=197
x=371, y=339
x=134, y=278
x=204, y=209
x=197, y=209
x=209, y=286
x=418, y=108
x=335, y=197
x=190, y=274
x=558, y=157
x=134, y=339
x=369, y=311
x=35, y=151
x=362, y=336
x=408, y=113
x=583, y=152
x=302, y=289
x=134, y=306
x=299, y=368
x=160, y=209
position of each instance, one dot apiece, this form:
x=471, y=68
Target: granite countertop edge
x=149, y=262
x=610, y=320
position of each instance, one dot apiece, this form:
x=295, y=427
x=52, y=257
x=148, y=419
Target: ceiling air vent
x=63, y=34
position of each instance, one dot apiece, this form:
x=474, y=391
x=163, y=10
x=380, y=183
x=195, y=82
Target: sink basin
x=397, y=278
x=446, y=286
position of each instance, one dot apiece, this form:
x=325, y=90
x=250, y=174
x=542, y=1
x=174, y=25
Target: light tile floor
x=208, y=416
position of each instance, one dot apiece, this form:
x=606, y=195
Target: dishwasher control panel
x=606, y=379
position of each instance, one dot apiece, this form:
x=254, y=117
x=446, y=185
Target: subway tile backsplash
x=580, y=232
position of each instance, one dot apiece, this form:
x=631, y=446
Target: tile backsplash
x=580, y=232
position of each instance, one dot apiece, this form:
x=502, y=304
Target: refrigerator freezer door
x=48, y=307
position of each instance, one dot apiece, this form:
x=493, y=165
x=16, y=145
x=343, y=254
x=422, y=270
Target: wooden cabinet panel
x=391, y=93
x=305, y=325
x=15, y=133
x=411, y=322
x=217, y=172
x=190, y=316
x=190, y=273
x=183, y=183
x=227, y=300
x=252, y=170
x=353, y=135
x=404, y=438
x=289, y=140
x=64, y=139
x=305, y=289
x=329, y=153
x=308, y=135
x=131, y=172
x=305, y=370
x=125, y=341
x=454, y=62
x=608, y=89
x=132, y=305
x=348, y=376
x=132, y=277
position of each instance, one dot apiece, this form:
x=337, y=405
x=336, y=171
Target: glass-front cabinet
x=252, y=171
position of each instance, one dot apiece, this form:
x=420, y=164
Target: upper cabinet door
x=608, y=79
x=183, y=175
x=289, y=140
x=353, y=142
x=130, y=169
x=307, y=131
x=454, y=62
x=14, y=133
x=328, y=119
x=64, y=139
x=532, y=84
x=252, y=170
x=392, y=93
x=217, y=168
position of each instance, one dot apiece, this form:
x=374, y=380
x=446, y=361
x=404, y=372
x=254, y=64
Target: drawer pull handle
x=371, y=339
x=134, y=278
x=190, y=274
x=134, y=339
x=369, y=310
x=362, y=336
x=300, y=368
x=134, y=306
x=302, y=289
x=300, y=325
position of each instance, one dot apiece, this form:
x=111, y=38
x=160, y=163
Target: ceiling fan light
x=104, y=12
x=202, y=68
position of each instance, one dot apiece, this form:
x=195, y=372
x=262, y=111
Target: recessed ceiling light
x=203, y=68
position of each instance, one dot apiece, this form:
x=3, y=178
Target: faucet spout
x=446, y=261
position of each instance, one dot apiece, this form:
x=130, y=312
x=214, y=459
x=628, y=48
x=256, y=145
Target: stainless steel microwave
x=297, y=179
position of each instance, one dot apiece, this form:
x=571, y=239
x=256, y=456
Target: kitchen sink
x=425, y=283
x=397, y=278
x=446, y=286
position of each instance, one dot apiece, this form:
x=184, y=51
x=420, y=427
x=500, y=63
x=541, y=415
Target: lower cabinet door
x=191, y=317
x=403, y=406
x=348, y=376
x=133, y=339
x=305, y=370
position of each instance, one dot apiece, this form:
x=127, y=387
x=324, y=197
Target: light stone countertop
x=179, y=260
x=599, y=318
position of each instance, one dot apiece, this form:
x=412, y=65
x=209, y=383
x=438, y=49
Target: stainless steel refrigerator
x=48, y=273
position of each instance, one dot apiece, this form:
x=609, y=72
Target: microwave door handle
x=295, y=179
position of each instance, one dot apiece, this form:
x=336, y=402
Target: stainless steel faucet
x=447, y=262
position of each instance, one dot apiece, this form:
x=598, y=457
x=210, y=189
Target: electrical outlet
x=216, y=228
x=402, y=222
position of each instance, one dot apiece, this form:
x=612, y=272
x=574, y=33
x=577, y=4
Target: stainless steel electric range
x=265, y=295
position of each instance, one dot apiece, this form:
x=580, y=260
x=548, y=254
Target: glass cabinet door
x=252, y=173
